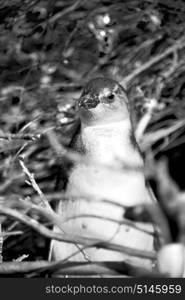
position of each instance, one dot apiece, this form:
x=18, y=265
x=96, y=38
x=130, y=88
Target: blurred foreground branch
x=88, y=242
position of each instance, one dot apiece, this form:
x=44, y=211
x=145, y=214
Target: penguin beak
x=88, y=102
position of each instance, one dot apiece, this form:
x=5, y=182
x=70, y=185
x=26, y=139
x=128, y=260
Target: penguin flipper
x=65, y=164
x=64, y=169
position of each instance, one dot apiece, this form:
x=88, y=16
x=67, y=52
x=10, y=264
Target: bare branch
x=150, y=138
x=121, y=222
x=89, y=242
x=179, y=44
x=72, y=268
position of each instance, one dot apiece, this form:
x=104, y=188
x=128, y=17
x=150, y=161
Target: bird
x=108, y=179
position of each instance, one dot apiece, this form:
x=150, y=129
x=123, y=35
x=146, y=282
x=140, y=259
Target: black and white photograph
x=92, y=141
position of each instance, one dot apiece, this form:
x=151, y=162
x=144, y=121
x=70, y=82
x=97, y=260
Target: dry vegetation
x=48, y=51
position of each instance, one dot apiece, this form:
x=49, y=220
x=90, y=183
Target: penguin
x=108, y=180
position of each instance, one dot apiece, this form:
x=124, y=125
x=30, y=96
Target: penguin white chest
x=108, y=143
x=108, y=149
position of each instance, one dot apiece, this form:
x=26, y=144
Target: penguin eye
x=110, y=98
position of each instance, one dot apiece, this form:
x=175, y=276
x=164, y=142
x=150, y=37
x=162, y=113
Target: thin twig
x=119, y=222
x=179, y=44
x=12, y=233
x=22, y=136
x=66, y=11
x=35, y=186
x=142, y=125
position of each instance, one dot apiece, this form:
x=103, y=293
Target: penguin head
x=102, y=101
